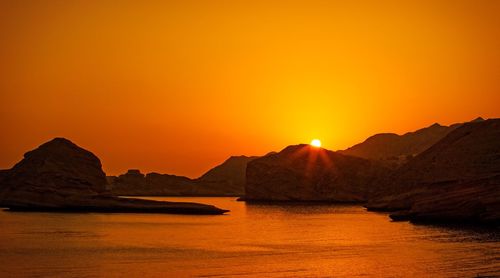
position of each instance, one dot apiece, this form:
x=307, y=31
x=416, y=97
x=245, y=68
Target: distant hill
x=226, y=179
x=394, y=150
x=458, y=178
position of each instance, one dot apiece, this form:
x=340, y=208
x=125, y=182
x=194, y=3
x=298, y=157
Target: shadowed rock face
x=394, y=150
x=227, y=179
x=458, y=178
x=60, y=176
x=305, y=173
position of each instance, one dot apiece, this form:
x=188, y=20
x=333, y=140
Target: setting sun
x=316, y=143
x=197, y=104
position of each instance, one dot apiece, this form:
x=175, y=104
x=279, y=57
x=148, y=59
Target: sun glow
x=316, y=143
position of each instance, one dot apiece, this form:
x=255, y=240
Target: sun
x=316, y=143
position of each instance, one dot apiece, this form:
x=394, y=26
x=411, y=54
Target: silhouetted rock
x=457, y=179
x=226, y=179
x=58, y=167
x=60, y=176
x=306, y=173
x=395, y=150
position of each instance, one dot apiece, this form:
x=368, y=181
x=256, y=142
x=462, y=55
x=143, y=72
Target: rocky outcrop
x=58, y=167
x=306, y=173
x=394, y=150
x=226, y=179
x=60, y=176
x=458, y=178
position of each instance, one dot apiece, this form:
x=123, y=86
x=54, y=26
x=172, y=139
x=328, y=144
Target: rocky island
x=60, y=176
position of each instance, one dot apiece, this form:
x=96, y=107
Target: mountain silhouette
x=395, y=150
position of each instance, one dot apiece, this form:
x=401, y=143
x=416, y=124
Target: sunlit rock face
x=458, y=178
x=307, y=173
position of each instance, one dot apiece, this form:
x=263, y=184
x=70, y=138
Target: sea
x=252, y=240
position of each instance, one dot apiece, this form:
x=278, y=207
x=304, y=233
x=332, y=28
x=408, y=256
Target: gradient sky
x=178, y=86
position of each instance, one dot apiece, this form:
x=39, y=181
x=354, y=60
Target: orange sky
x=178, y=87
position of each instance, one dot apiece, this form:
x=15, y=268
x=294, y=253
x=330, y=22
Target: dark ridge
x=395, y=150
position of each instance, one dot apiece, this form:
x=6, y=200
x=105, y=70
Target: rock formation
x=226, y=179
x=60, y=176
x=306, y=173
x=458, y=178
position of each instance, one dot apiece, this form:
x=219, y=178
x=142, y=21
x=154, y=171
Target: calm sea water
x=252, y=240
